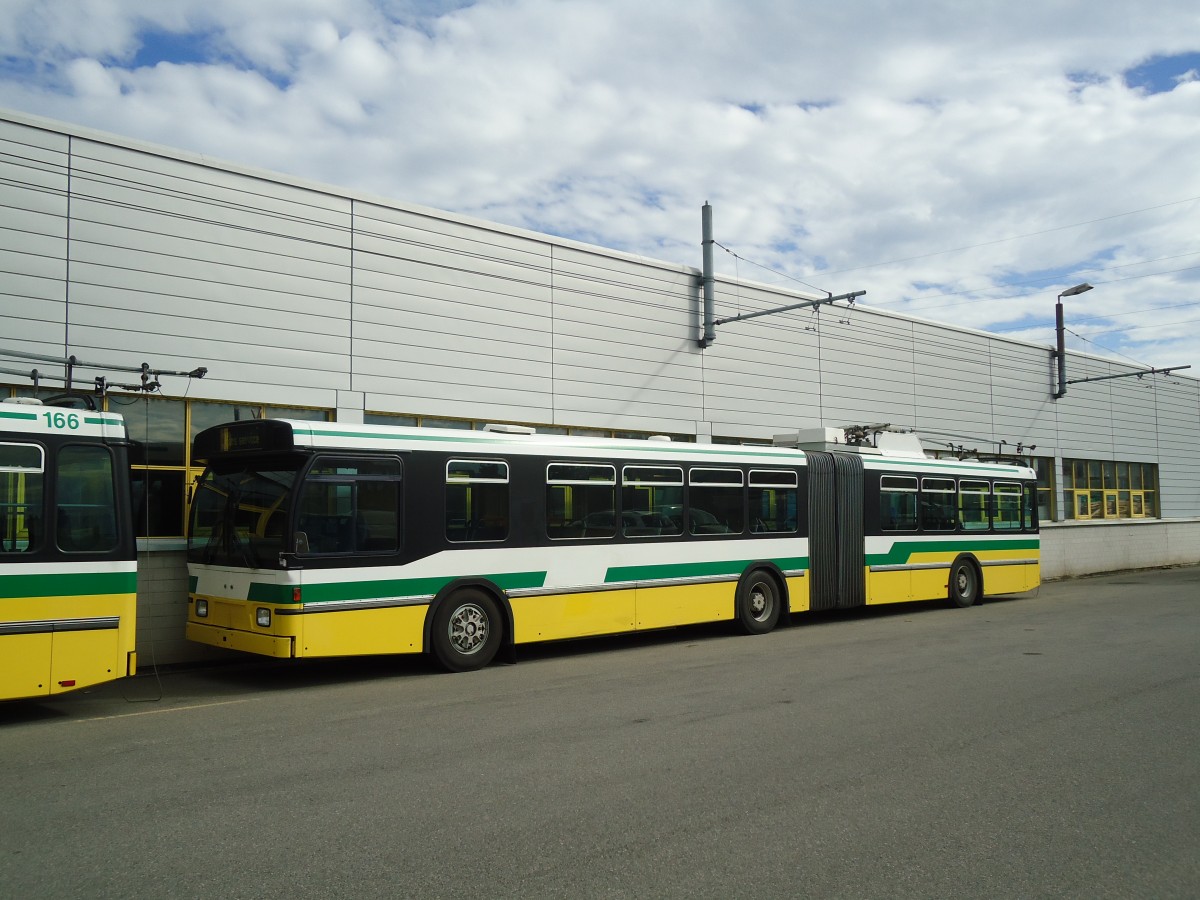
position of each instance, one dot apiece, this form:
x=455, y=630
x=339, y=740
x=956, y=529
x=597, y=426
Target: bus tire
x=966, y=584
x=759, y=602
x=467, y=630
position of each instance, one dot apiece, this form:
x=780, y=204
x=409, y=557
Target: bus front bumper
x=247, y=642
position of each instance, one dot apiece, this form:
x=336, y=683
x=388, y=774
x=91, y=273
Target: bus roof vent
x=23, y=401
x=501, y=428
x=661, y=438
x=886, y=439
x=816, y=438
x=895, y=443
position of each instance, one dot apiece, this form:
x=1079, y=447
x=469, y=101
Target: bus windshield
x=240, y=514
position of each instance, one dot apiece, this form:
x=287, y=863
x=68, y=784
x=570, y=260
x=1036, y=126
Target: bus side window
x=974, y=499
x=22, y=470
x=651, y=501
x=938, y=504
x=1008, y=507
x=716, y=501
x=347, y=505
x=86, y=518
x=476, y=500
x=897, y=503
x=773, y=501
x=580, y=500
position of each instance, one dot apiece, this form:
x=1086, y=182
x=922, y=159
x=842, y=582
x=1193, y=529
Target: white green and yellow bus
x=68, y=576
x=324, y=539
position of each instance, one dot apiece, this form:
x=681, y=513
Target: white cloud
x=830, y=138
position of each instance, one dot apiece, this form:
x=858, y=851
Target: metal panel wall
x=1085, y=414
x=624, y=343
x=953, y=385
x=1134, y=414
x=450, y=320
x=1178, y=440
x=1023, y=410
x=190, y=266
x=867, y=371
x=761, y=376
x=33, y=251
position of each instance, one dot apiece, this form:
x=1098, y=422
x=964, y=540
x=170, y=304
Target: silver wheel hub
x=468, y=629
x=759, y=603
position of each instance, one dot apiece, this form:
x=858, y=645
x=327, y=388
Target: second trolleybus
x=325, y=539
x=68, y=570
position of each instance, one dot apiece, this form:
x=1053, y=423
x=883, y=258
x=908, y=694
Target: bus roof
x=281, y=435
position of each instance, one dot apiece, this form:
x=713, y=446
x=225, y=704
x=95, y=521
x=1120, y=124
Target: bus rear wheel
x=964, y=583
x=467, y=630
x=758, y=602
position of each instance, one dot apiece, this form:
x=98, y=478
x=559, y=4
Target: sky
x=961, y=162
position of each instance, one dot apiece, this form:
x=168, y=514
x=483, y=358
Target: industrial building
x=312, y=301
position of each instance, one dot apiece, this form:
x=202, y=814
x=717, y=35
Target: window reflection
x=156, y=428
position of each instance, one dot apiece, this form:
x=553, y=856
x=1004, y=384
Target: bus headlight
x=262, y=617
x=201, y=609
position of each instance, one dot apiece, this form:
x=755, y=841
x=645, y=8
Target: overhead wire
x=780, y=272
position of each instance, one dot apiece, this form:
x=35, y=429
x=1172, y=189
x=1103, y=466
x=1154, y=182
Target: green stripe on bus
x=269, y=593
x=618, y=574
x=193, y=581
x=67, y=585
x=10, y=414
x=903, y=551
x=393, y=587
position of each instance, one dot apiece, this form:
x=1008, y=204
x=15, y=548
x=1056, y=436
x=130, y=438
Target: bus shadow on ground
x=223, y=680
x=290, y=674
x=725, y=630
x=21, y=712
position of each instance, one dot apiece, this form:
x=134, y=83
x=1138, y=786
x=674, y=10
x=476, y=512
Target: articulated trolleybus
x=326, y=539
x=68, y=577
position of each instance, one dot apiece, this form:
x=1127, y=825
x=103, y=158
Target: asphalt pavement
x=1044, y=746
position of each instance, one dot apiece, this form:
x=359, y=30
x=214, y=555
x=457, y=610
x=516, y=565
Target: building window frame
x=1109, y=489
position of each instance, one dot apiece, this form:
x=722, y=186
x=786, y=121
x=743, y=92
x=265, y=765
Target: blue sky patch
x=19, y=67
x=1161, y=74
x=1081, y=80
x=195, y=48
x=422, y=16
x=173, y=47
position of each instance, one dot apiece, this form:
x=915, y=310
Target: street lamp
x=1061, y=354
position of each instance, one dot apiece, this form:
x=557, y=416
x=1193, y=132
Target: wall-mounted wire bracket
x=100, y=384
x=710, y=325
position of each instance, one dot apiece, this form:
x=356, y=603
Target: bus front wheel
x=466, y=630
x=965, y=583
x=758, y=602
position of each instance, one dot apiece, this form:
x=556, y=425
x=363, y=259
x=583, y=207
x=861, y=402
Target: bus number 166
x=62, y=420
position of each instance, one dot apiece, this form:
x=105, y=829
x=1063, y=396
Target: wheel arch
x=970, y=559
x=449, y=590
x=766, y=565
